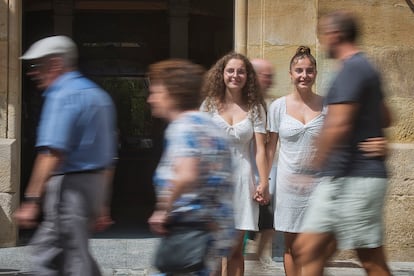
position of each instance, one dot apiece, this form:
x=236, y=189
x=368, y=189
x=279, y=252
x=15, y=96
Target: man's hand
x=26, y=215
x=374, y=147
x=103, y=221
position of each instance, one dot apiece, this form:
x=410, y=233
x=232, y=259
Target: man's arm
x=336, y=129
x=378, y=146
x=45, y=164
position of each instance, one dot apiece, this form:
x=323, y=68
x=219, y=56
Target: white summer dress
x=294, y=183
x=241, y=135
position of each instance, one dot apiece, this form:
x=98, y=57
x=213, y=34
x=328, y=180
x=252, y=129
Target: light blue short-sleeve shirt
x=78, y=119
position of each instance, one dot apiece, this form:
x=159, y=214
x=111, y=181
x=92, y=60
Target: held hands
x=262, y=195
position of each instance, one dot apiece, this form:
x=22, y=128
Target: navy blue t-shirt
x=357, y=82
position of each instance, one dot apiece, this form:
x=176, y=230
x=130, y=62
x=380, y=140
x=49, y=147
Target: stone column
x=240, y=26
x=10, y=105
x=179, y=16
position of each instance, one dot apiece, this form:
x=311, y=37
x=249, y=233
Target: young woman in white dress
x=295, y=121
x=234, y=101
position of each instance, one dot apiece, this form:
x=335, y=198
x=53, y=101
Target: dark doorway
x=117, y=41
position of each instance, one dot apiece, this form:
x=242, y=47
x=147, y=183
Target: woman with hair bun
x=295, y=121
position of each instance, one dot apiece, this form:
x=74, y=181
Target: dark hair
x=183, y=80
x=215, y=88
x=302, y=52
x=346, y=23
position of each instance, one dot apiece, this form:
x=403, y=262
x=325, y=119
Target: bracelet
x=32, y=199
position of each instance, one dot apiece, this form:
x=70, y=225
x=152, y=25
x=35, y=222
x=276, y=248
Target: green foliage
x=130, y=97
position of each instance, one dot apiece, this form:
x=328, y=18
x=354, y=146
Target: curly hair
x=214, y=88
x=183, y=80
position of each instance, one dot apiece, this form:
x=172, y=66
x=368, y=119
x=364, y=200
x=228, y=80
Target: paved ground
x=133, y=256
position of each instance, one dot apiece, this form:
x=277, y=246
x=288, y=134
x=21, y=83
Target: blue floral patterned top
x=194, y=134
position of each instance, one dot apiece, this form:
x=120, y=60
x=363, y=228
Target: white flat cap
x=59, y=44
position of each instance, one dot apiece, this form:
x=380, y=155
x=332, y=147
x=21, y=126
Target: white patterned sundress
x=294, y=182
x=241, y=135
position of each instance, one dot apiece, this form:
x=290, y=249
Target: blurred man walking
x=76, y=147
x=347, y=206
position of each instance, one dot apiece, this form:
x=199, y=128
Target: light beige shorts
x=349, y=207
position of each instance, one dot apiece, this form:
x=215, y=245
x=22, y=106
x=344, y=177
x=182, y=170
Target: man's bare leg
x=312, y=250
x=373, y=261
x=290, y=264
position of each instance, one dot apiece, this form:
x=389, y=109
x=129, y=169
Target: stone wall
x=10, y=104
x=276, y=28
x=271, y=29
x=8, y=190
x=399, y=222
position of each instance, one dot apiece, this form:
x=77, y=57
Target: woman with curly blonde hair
x=234, y=101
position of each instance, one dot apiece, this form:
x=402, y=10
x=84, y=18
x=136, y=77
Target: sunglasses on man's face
x=33, y=65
